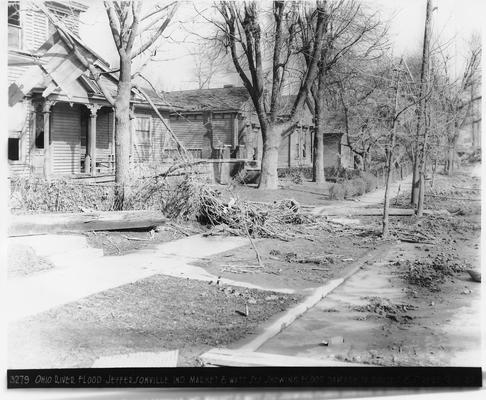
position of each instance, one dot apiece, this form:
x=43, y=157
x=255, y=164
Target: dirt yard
x=304, y=193
x=298, y=264
x=155, y=314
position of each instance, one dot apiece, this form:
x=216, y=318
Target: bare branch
x=158, y=34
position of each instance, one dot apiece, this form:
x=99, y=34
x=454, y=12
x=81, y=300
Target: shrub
x=337, y=191
x=359, y=185
x=370, y=181
x=295, y=174
x=349, y=188
x=32, y=194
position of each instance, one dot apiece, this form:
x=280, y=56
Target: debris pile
x=385, y=308
x=431, y=274
x=244, y=218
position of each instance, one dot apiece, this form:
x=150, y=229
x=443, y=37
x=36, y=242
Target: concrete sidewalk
x=82, y=271
x=374, y=198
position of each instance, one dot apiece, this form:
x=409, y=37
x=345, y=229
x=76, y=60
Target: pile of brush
x=188, y=198
x=246, y=218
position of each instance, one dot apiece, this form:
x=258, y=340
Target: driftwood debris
x=39, y=224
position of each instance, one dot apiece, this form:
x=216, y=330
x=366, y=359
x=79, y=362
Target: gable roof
x=216, y=99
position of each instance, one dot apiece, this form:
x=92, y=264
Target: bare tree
x=208, y=63
x=243, y=33
x=351, y=35
x=456, y=98
x=421, y=136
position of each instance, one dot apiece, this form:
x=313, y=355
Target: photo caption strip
x=246, y=377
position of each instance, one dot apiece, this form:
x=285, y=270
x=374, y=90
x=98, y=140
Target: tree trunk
x=366, y=161
x=421, y=199
x=318, y=164
x=434, y=171
x=450, y=160
x=122, y=133
x=271, y=143
x=389, y=161
x=424, y=74
x=386, y=202
x=415, y=181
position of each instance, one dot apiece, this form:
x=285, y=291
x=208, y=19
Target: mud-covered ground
x=156, y=314
x=417, y=304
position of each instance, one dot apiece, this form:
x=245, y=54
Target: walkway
x=82, y=271
x=374, y=198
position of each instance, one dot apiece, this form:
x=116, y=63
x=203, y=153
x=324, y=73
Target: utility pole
x=389, y=154
x=419, y=153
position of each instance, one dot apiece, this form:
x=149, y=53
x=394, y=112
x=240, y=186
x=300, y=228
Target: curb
x=292, y=314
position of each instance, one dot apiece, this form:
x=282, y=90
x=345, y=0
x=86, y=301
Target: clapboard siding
x=222, y=132
x=35, y=29
x=151, y=149
x=15, y=72
x=193, y=133
x=189, y=131
x=35, y=25
x=66, y=138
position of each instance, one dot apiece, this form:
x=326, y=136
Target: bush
x=32, y=194
x=352, y=187
x=337, y=191
x=359, y=185
x=370, y=181
x=295, y=174
x=39, y=195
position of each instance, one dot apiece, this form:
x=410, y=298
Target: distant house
x=60, y=124
x=337, y=153
x=209, y=120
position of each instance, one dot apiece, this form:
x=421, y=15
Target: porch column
x=46, y=110
x=93, y=109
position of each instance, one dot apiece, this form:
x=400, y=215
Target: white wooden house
x=60, y=124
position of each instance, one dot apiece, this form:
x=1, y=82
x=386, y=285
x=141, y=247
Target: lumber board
x=38, y=224
x=239, y=358
x=357, y=211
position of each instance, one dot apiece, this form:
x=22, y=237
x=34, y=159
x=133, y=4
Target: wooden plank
x=364, y=212
x=238, y=358
x=39, y=224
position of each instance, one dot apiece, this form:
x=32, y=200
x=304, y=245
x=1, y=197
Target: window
x=142, y=140
x=14, y=25
x=14, y=13
x=143, y=129
x=14, y=149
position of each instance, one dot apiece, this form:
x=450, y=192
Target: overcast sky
x=454, y=21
